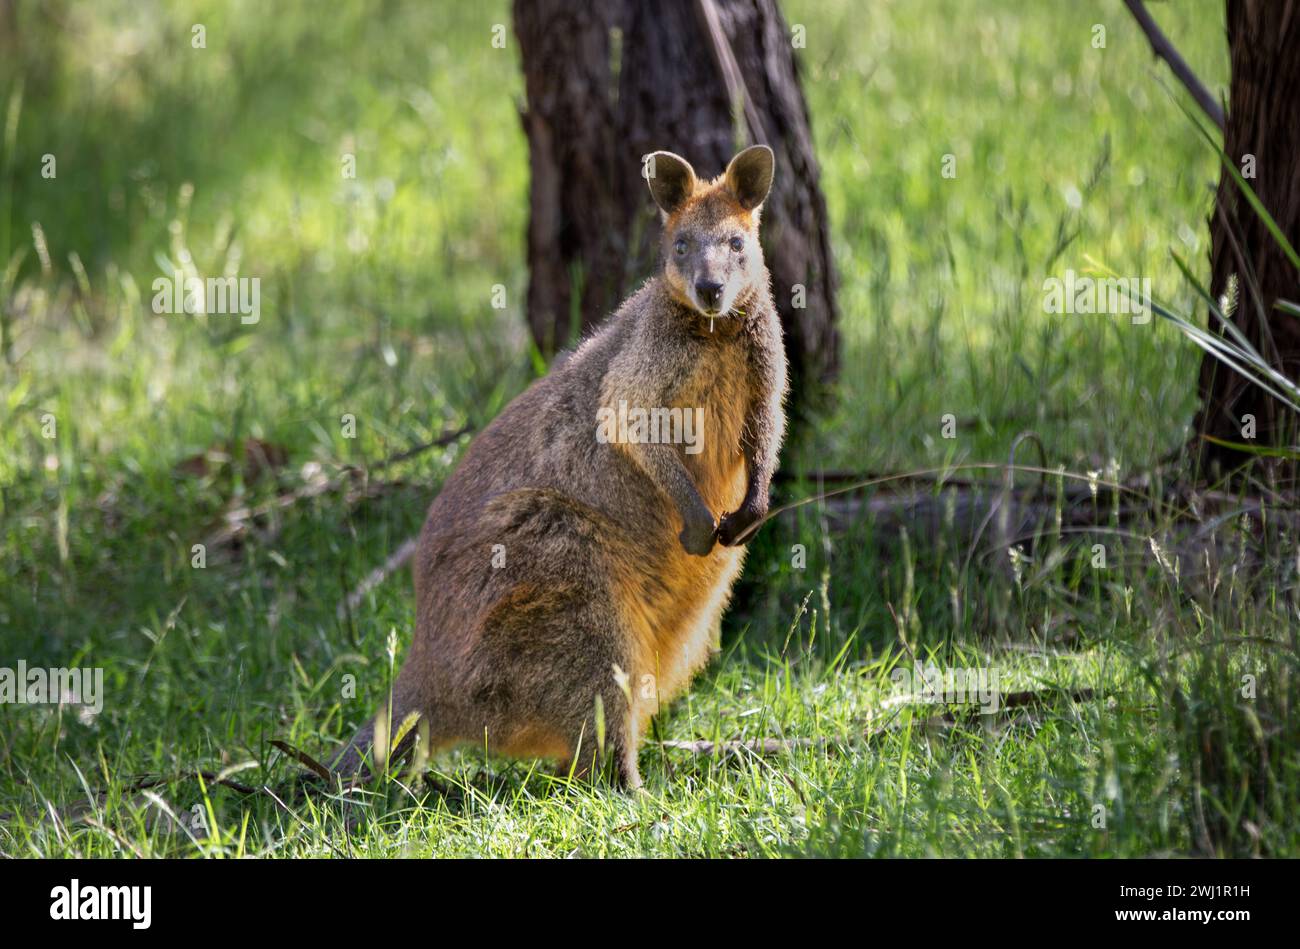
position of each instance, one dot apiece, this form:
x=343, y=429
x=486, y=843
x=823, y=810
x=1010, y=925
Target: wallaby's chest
x=717, y=389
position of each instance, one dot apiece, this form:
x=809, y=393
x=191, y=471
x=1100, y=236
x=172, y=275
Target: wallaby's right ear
x=671, y=179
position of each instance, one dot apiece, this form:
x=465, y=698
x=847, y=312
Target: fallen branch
x=374, y=578
x=440, y=442
x=306, y=760
x=209, y=777
x=237, y=521
x=1165, y=50
x=956, y=505
x=758, y=746
x=83, y=811
x=1026, y=699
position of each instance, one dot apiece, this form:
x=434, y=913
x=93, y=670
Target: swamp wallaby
x=573, y=572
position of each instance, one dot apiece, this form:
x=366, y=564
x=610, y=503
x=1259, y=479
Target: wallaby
x=573, y=572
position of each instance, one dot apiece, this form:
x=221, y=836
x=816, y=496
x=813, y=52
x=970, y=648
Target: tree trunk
x=608, y=82
x=1263, y=121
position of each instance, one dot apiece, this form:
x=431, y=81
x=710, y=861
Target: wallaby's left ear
x=749, y=176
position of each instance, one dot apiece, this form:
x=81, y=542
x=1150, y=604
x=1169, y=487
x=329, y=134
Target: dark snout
x=709, y=294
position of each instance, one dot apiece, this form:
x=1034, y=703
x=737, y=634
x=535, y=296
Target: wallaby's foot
x=697, y=537
x=625, y=774
x=629, y=775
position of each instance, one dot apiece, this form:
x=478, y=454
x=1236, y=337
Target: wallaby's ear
x=671, y=179
x=749, y=176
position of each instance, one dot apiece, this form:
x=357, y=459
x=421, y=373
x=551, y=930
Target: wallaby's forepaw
x=697, y=536
x=738, y=521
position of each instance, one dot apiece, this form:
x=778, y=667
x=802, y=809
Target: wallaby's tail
x=355, y=756
x=360, y=752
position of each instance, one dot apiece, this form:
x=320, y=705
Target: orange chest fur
x=719, y=392
x=673, y=621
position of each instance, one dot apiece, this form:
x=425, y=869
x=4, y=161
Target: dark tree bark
x=1263, y=120
x=608, y=82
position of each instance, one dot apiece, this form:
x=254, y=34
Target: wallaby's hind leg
x=620, y=754
x=549, y=658
x=590, y=674
x=626, y=774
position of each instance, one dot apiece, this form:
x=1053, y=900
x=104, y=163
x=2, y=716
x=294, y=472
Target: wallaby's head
x=711, y=253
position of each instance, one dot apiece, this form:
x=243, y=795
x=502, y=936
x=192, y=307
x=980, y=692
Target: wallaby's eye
x=680, y=247
x=737, y=244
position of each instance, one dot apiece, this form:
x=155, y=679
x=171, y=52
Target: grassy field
x=376, y=304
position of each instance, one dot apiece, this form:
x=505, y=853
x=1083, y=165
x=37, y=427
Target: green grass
x=376, y=302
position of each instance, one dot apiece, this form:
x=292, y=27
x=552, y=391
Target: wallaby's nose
x=709, y=293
